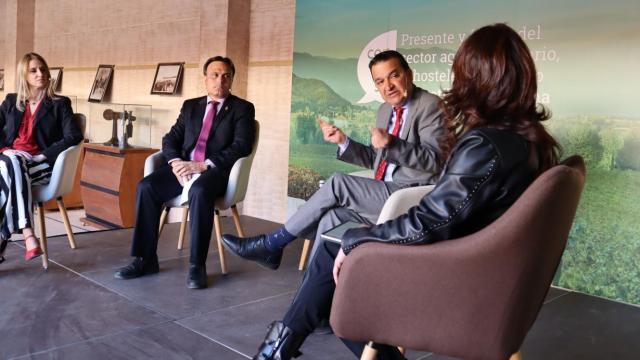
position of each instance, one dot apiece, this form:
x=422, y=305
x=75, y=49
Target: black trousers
x=312, y=302
x=161, y=186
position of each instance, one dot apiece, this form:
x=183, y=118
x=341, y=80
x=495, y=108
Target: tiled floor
x=77, y=310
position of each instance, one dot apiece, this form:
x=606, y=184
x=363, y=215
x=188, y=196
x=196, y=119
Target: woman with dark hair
x=36, y=127
x=495, y=145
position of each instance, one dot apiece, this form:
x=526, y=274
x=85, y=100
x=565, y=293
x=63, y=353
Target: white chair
x=62, y=178
x=236, y=191
x=397, y=204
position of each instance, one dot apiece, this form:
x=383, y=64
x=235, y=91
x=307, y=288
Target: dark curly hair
x=495, y=85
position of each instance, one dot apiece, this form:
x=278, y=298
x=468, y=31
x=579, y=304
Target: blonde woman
x=36, y=127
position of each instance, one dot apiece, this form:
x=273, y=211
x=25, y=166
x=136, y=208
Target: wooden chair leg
x=183, y=227
x=216, y=221
x=236, y=220
x=516, y=356
x=369, y=353
x=43, y=236
x=163, y=219
x=304, y=254
x=67, y=224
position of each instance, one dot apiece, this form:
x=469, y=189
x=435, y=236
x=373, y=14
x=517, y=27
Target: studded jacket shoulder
x=486, y=172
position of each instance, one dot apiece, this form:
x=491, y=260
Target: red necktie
x=382, y=167
x=201, y=145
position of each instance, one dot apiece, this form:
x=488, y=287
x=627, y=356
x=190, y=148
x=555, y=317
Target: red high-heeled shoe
x=33, y=253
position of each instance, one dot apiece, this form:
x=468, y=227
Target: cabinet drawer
x=103, y=170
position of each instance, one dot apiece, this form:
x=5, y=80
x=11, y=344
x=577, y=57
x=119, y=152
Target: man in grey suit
x=404, y=152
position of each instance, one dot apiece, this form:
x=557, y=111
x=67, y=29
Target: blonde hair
x=24, y=92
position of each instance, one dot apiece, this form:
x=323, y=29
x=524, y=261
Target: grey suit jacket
x=415, y=151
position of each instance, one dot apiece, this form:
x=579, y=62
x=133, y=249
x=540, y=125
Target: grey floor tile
x=555, y=293
x=43, y=310
x=166, y=292
x=578, y=326
x=74, y=218
x=243, y=327
x=167, y=342
x=110, y=250
x=102, y=250
x=62, y=315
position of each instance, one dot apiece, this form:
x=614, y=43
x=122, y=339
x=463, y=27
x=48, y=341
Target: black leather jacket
x=486, y=172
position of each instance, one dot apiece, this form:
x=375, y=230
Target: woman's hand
x=337, y=264
x=39, y=158
x=20, y=153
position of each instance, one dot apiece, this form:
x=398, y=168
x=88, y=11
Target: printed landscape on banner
x=586, y=54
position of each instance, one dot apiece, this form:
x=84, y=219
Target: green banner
x=586, y=55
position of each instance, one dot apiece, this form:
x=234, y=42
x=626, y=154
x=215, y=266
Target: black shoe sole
x=267, y=265
x=129, y=277
x=196, y=286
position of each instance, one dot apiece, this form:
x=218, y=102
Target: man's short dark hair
x=388, y=55
x=223, y=59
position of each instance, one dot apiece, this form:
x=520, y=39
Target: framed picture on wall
x=56, y=76
x=101, y=83
x=1, y=79
x=167, y=78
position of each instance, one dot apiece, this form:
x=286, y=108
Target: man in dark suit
x=404, y=152
x=211, y=133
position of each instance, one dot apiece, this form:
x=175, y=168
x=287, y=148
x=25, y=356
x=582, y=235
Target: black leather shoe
x=139, y=267
x=281, y=343
x=197, y=277
x=253, y=248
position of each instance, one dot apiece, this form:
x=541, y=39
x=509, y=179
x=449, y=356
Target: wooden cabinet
x=108, y=184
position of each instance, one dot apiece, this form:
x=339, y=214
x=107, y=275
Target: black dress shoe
x=281, y=343
x=253, y=248
x=197, y=277
x=139, y=267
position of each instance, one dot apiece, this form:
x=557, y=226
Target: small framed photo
x=167, y=78
x=1, y=79
x=101, y=83
x=56, y=76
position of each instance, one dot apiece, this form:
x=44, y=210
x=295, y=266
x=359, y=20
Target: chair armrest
x=153, y=162
x=418, y=296
x=401, y=201
x=441, y=297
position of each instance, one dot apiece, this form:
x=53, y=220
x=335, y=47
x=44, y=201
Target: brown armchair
x=475, y=297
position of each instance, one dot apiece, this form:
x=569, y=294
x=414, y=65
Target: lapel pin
x=226, y=108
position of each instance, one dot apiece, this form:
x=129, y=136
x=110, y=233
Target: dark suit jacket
x=54, y=130
x=231, y=137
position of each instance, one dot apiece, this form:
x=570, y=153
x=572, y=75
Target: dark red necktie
x=382, y=167
x=201, y=145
